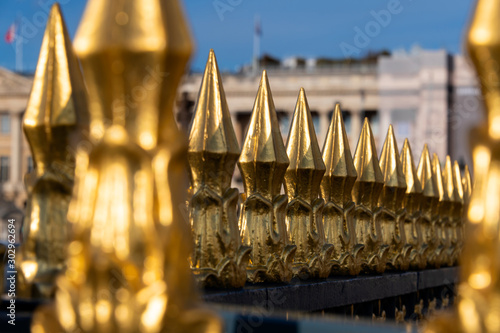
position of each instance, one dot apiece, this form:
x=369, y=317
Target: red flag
x=11, y=33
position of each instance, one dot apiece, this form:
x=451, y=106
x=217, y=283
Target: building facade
x=429, y=96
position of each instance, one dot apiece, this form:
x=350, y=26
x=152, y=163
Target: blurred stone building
x=429, y=96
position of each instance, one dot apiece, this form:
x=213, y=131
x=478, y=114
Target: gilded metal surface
x=444, y=181
x=457, y=213
x=412, y=202
x=467, y=188
x=391, y=214
x=302, y=185
x=336, y=189
x=429, y=210
x=127, y=267
x=218, y=259
x=263, y=163
x=476, y=308
x=365, y=195
x=55, y=118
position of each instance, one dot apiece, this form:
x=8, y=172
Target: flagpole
x=19, y=46
x=256, y=45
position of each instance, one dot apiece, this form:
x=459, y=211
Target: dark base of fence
x=337, y=293
x=379, y=297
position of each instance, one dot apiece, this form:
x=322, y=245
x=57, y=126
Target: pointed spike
x=212, y=129
x=409, y=170
x=438, y=173
x=58, y=98
x=457, y=182
x=390, y=163
x=448, y=181
x=368, y=169
x=394, y=180
x=263, y=161
x=467, y=184
x=55, y=121
x=306, y=169
x=426, y=175
x=340, y=173
x=213, y=149
x=413, y=196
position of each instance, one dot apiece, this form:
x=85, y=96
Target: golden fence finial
x=476, y=307
x=467, y=187
x=218, y=258
x=120, y=265
x=412, y=203
x=429, y=209
x=55, y=119
x=302, y=184
x=365, y=194
x=457, y=213
x=263, y=163
x=391, y=214
x=446, y=190
x=336, y=190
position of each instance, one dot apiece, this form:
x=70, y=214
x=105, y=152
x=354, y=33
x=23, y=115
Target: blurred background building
x=429, y=96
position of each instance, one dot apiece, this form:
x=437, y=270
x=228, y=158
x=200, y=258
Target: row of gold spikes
x=340, y=214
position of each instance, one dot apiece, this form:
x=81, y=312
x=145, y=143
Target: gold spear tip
x=340, y=175
x=457, y=182
x=57, y=64
x=436, y=169
x=336, y=151
x=390, y=163
x=212, y=129
x=305, y=172
x=467, y=184
x=263, y=141
x=426, y=174
x=302, y=146
x=365, y=158
x=409, y=170
x=263, y=144
x=449, y=181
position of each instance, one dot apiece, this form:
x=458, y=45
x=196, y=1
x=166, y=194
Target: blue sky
x=290, y=27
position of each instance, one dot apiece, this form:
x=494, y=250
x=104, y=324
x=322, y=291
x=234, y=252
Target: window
x=4, y=169
x=30, y=164
x=347, y=122
x=5, y=123
x=315, y=119
x=403, y=120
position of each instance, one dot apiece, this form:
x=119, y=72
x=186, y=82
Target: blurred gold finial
x=391, y=214
x=125, y=226
x=483, y=46
x=302, y=184
x=263, y=163
x=336, y=190
x=412, y=202
x=55, y=120
x=365, y=194
x=218, y=258
x=476, y=307
x=429, y=209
